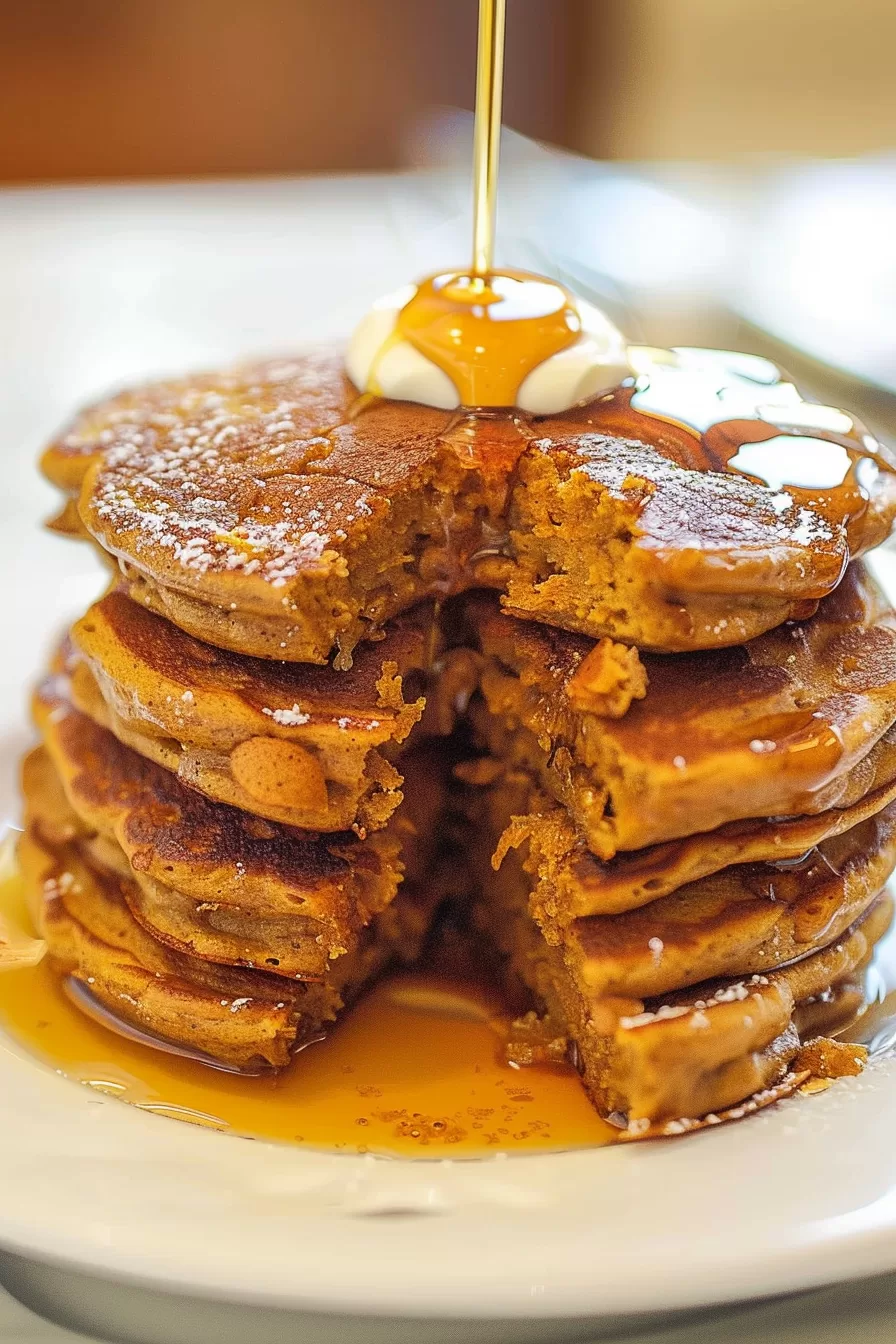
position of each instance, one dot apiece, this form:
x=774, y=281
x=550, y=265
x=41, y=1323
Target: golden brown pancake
x=242, y=1018
x=272, y=511
x=633, y=879
x=657, y=1038
x=661, y=1064
x=739, y=921
x=794, y=723
x=290, y=742
x=207, y=876
x=92, y=936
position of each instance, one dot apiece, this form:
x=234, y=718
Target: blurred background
x=183, y=181
x=100, y=89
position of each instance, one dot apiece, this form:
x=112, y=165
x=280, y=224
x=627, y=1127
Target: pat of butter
x=379, y=362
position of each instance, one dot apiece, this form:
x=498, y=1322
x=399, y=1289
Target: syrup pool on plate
x=415, y=1069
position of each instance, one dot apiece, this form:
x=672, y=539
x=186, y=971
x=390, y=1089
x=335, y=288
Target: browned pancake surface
x=287, y=741
x=271, y=510
x=793, y=723
x=328, y=887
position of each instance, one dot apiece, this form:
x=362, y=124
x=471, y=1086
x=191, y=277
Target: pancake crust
x=741, y=921
x=641, y=876
x=702, y=1045
x=289, y=742
x=651, y=1069
x=232, y=871
x=794, y=723
x=243, y=1019
x=272, y=511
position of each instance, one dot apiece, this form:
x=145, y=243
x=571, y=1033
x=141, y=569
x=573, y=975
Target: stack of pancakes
x=673, y=685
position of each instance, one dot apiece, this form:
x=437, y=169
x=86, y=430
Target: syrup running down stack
x=594, y=663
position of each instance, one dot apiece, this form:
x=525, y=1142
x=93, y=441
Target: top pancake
x=272, y=511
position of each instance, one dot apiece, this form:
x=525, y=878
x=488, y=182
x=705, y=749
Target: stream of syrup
x=485, y=328
x=416, y=1069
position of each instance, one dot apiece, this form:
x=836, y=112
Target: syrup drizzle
x=715, y=410
x=415, y=1070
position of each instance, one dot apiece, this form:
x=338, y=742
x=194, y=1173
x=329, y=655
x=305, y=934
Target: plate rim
x=788, y=1257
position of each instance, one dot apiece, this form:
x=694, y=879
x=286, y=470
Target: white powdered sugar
x=288, y=718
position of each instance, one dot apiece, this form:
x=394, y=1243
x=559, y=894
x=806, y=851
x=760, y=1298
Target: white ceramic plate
x=794, y=1197
x=95, y=1196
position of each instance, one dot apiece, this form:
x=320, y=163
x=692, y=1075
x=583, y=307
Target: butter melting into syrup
x=707, y=410
x=415, y=1069
x=487, y=333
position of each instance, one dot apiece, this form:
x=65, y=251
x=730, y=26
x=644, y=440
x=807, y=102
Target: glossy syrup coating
x=273, y=511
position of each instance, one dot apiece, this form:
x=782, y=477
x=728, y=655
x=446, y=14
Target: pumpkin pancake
x=273, y=511
x=739, y=921
x=207, y=876
x=92, y=936
x=243, y=1019
x=664, y=1063
x=652, y=749
x=585, y=885
x=689, y=1006
x=286, y=741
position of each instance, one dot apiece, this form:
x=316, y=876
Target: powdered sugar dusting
x=288, y=718
x=193, y=469
x=733, y=993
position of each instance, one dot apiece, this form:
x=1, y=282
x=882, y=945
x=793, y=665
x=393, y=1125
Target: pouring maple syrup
x=487, y=330
x=417, y=1068
x=473, y=338
x=505, y=340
